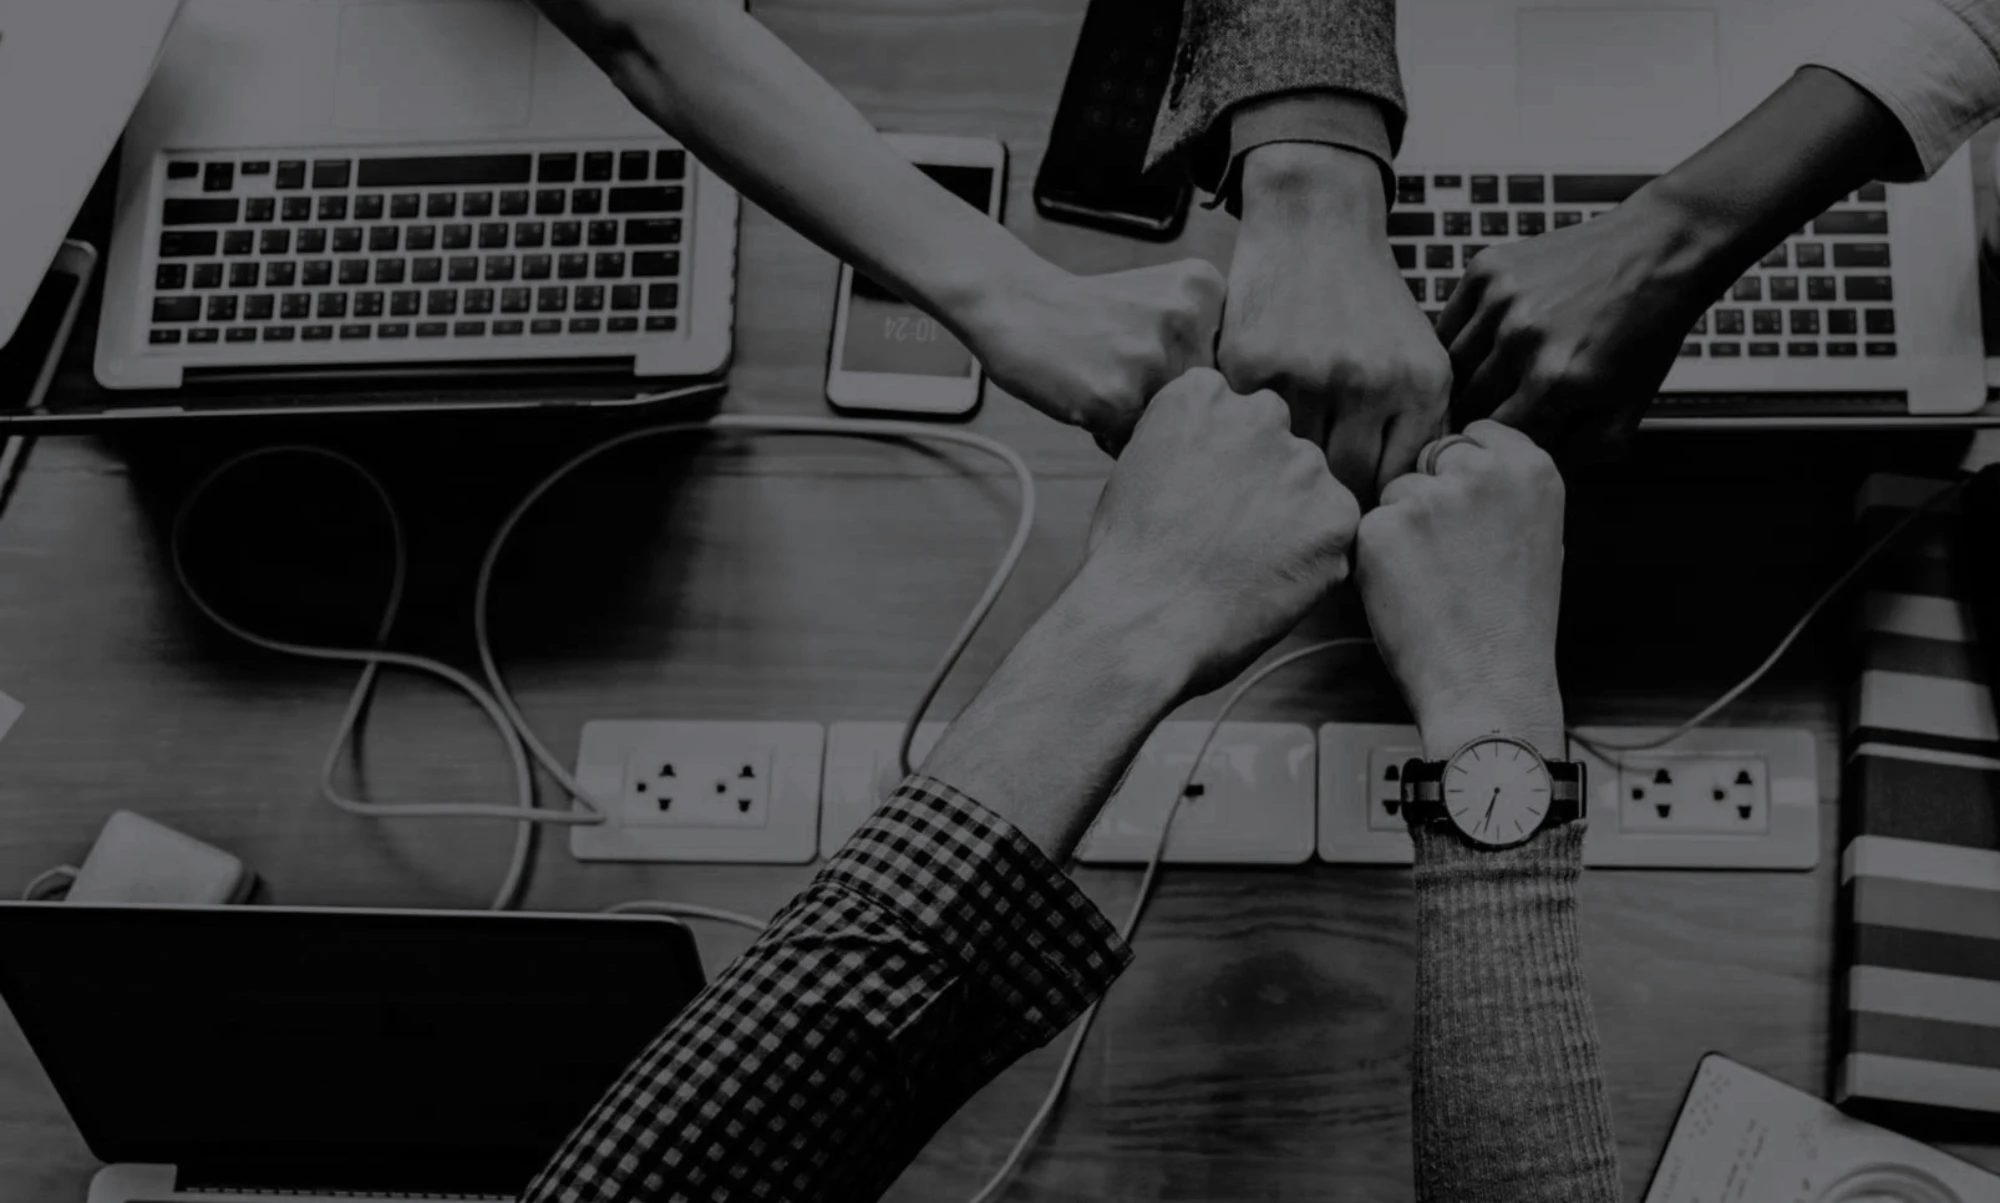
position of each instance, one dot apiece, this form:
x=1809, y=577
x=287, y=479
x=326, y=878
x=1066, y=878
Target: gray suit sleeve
x=1509, y=1104
x=1236, y=51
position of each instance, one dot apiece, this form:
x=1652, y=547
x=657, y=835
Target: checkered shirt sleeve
x=930, y=953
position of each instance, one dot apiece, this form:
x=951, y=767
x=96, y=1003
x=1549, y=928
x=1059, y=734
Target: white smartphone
x=888, y=356
x=28, y=360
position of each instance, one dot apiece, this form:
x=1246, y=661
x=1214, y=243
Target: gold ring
x=1427, y=459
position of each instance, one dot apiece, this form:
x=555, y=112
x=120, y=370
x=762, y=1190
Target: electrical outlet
x=1251, y=802
x=1766, y=816
x=861, y=772
x=700, y=791
x=665, y=787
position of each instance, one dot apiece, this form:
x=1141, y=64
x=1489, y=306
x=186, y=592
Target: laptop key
x=165, y=338
x=240, y=334
x=597, y=165
x=1458, y=225
x=170, y=276
x=369, y=207
x=274, y=242
x=317, y=334
x=1852, y=221
x=296, y=208
x=663, y=296
x=1842, y=321
x=1444, y=288
x=545, y=325
x=405, y=205
x=1766, y=321
x=420, y=238
x=445, y=171
x=183, y=169
x=280, y=334
x=1879, y=321
x=1495, y=224
x=244, y=275
x=1821, y=288
x=260, y=307
x=573, y=266
x=493, y=235
x=207, y=334
x=657, y=231
x=428, y=270
x=1763, y=350
x=626, y=297
x=634, y=164
x=1861, y=254
x=208, y=275
x=1565, y=218
x=1784, y=288
x=610, y=265
x=514, y=202
x=1729, y=321
x=1440, y=257
x=1531, y=223
x=1881, y=350
x=455, y=237
x=660, y=323
x=281, y=275
x=462, y=269
x=1842, y=350
x=333, y=208
x=529, y=233
x=1418, y=289
x=536, y=267
x=468, y=329
x=586, y=201
x=566, y=233
x=353, y=272
x=667, y=200
x=432, y=329
x=390, y=271
x=589, y=298
x=622, y=325
x=369, y=304
x=187, y=244
x=208, y=211
x=332, y=304
x=551, y=202
x=1526, y=190
x=508, y=326
x=1805, y=321
x=260, y=209
x=552, y=299
x=516, y=300
x=291, y=175
x=1485, y=189
x=648, y=264
x=1406, y=255
x=584, y=325
x=316, y=273
x=239, y=242
x=347, y=240
x=478, y=301
x=670, y=165
x=1749, y=288
x=1870, y=288
x=218, y=177
x=556, y=168
x=393, y=330
x=312, y=241
x=441, y=204
x=441, y=302
x=1873, y=193
x=356, y=330
x=383, y=239
x=405, y=302
x=177, y=309
x=477, y=204
x=331, y=173
x=499, y=267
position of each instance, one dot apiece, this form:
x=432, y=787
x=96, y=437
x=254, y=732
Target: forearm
x=762, y=119
x=1816, y=139
x=1049, y=737
x=1509, y=1101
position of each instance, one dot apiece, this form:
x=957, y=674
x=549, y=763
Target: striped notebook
x=1918, y=1026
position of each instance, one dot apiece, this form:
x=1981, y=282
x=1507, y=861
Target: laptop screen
x=371, y=1051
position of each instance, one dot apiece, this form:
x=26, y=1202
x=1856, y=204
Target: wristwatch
x=1495, y=791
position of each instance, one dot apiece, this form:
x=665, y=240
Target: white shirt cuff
x=1930, y=63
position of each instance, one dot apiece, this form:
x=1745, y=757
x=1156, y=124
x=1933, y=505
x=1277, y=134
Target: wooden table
x=1259, y=1046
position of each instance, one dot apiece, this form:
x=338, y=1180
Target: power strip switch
x=1715, y=798
x=1251, y=802
x=700, y=791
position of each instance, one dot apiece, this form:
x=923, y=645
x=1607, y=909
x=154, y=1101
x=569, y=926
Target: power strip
x=861, y=772
x=1716, y=798
x=1251, y=802
x=700, y=791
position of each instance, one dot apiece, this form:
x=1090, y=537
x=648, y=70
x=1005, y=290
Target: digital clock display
x=886, y=333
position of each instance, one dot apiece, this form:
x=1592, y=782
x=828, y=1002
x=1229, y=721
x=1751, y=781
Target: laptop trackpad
x=1628, y=85
x=434, y=66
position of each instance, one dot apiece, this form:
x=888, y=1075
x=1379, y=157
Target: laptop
x=340, y=191
x=1528, y=115
x=252, y=1054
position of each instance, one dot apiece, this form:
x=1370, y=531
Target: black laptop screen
x=366, y=1051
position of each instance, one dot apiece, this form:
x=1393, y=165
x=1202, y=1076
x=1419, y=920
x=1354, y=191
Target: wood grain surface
x=1258, y=1048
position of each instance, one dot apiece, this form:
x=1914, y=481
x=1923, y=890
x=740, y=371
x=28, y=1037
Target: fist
x=1091, y=350
x=1461, y=576
x=1219, y=528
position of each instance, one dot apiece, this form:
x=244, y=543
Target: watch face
x=1497, y=792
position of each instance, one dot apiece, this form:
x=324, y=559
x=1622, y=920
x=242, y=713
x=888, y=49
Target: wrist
x=1112, y=634
x=1532, y=714
x=982, y=283
x=1301, y=183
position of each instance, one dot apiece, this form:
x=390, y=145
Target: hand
x=1567, y=336
x=1319, y=312
x=1092, y=350
x=1461, y=574
x=1218, y=530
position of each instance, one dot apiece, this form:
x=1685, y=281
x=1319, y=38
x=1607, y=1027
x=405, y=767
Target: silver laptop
x=1526, y=116
x=251, y=1054
x=331, y=189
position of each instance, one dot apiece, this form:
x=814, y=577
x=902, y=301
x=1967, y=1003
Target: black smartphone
x=1094, y=171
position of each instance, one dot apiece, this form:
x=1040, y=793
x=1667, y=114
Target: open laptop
x=1531, y=114
x=253, y=1054
x=353, y=190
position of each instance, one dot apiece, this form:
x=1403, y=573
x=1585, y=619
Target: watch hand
x=1489, y=807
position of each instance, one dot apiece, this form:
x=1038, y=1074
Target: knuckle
x=1267, y=409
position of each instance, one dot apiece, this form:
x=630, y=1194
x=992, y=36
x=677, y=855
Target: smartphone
x=1094, y=173
x=28, y=360
x=888, y=356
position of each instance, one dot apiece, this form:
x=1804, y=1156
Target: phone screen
x=1096, y=159
x=888, y=334
x=24, y=356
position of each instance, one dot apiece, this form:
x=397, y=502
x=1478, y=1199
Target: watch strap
x=1423, y=791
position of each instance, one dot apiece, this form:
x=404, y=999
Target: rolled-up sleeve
x=1934, y=64
x=930, y=953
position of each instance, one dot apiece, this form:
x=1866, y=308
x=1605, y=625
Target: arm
x=1290, y=111
x=1461, y=575
x=1569, y=335
x=943, y=941
x=1085, y=351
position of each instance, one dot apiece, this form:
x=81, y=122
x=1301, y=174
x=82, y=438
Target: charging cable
x=495, y=699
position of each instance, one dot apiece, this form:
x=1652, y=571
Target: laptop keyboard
x=1826, y=292
x=275, y=248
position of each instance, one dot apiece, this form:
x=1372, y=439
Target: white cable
x=50, y=882
x=844, y=427
x=1146, y=883
x=687, y=910
x=1609, y=749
